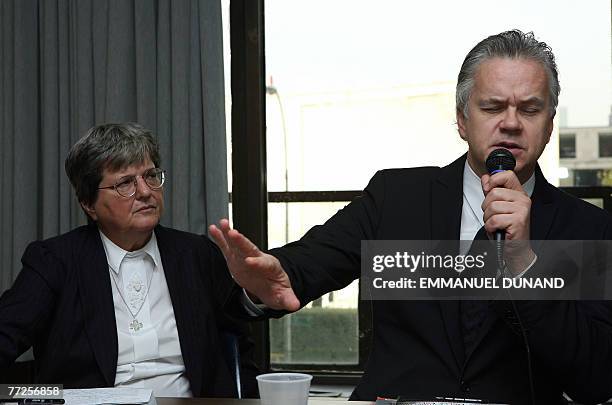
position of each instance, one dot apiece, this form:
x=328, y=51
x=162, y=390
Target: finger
x=224, y=224
x=498, y=222
x=484, y=181
x=219, y=239
x=499, y=207
x=506, y=179
x=284, y=299
x=233, y=249
x=263, y=260
x=512, y=224
x=241, y=244
x=504, y=194
x=288, y=301
x=225, y=228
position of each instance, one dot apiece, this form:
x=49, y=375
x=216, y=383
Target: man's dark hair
x=512, y=44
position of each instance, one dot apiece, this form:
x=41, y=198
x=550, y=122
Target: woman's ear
x=89, y=210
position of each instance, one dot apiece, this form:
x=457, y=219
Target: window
x=567, y=146
x=332, y=320
x=605, y=145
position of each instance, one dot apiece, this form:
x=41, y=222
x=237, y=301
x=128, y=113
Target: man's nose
x=511, y=122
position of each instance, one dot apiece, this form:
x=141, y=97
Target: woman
x=123, y=300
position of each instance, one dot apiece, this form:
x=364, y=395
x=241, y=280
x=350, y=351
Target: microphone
x=500, y=160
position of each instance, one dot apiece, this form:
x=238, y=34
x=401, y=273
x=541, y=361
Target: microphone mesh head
x=499, y=160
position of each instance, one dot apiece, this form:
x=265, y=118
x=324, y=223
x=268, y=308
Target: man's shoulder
x=430, y=171
x=580, y=208
x=408, y=175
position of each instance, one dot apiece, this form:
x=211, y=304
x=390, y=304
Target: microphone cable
x=498, y=161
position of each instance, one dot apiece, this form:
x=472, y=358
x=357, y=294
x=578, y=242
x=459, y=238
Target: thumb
x=288, y=301
x=485, y=181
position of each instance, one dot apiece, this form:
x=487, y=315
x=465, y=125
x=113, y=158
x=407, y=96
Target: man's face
x=126, y=220
x=508, y=108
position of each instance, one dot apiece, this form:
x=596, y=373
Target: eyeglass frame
x=122, y=179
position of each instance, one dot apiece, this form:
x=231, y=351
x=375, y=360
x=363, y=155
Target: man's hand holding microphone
x=507, y=209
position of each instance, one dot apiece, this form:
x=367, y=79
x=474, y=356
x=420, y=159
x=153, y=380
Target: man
x=506, y=97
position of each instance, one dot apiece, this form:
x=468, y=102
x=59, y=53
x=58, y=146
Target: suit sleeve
x=571, y=338
x=328, y=257
x=25, y=308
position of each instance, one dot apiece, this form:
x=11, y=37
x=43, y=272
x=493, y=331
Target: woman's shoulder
x=182, y=239
x=74, y=239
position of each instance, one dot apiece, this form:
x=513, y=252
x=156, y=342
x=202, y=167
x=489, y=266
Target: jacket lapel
x=181, y=280
x=447, y=201
x=446, y=207
x=97, y=301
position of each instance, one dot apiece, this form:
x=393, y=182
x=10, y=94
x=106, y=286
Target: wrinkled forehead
x=126, y=166
x=518, y=78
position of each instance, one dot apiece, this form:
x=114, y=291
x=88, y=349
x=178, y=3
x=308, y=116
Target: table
x=227, y=401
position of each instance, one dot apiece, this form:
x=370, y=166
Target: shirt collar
x=115, y=254
x=472, y=186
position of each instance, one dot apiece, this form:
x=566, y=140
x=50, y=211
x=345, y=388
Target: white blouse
x=149, y=348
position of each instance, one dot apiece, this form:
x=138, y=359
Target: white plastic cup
x=284, y=388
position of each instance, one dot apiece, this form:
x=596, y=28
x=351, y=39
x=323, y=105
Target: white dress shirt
x=149, y=352
x=473, y=196
x=472, y=214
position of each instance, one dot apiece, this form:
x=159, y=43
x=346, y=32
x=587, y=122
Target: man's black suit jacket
x=418, y=346
x=61, y=304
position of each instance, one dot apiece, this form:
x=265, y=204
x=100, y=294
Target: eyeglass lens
x=154, y=178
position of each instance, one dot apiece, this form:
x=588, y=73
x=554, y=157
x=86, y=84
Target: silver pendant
x=135, y=325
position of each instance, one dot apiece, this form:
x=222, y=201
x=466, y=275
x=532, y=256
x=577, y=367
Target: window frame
x=567, y=136
x=249, y=195
x=601, y=136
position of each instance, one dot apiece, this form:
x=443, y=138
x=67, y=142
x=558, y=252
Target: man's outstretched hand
x=260, y=274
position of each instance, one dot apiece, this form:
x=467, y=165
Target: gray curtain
x=66, y=65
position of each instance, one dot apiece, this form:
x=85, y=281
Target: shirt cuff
x=507, y=274
x=251, y=308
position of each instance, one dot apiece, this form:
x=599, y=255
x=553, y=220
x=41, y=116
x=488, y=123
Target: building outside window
x=605, y=145
x=567, y=146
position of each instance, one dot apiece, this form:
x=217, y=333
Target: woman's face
x=127, y=221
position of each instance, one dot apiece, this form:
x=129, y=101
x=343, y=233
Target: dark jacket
x=417, y=345
x=61, y=304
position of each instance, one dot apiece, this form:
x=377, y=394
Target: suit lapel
x=187, y=306
x=447, y=201
x=97, y=301
x=446, y=207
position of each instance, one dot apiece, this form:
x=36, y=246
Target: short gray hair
x=107, y=146
x=513, y=44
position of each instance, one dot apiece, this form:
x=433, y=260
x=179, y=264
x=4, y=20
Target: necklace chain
x=135, y=325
